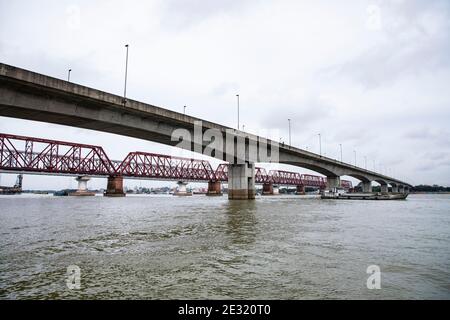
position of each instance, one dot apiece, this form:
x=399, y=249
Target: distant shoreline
x=429, y=192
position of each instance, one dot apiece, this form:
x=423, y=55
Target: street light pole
x=238, y=111
x=365, y=162
x=126, y=76
x=340, y=146
x=354, y=151
x=290, y=141
x=68, y=76
x=184, y=110
x=320, y=144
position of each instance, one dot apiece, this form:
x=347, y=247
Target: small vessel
x=341, y=194
x=63, y=193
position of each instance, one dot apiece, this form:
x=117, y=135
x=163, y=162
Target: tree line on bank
x=419, y=188
x=433, y=188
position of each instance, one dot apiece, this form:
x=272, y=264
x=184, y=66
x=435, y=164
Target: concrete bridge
x=32, y=96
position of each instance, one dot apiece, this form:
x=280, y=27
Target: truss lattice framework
x=26, y=154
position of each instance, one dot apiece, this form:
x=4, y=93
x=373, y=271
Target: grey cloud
x=226, y=88
x=384, y=65
x=409, y=47
x=185, y=13
x=430, y=136
x=303, y=115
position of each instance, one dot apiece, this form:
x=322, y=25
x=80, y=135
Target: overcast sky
x=370, y=75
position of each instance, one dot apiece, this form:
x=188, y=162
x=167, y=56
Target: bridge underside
x=32, y=96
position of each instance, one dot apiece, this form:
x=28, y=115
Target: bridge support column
x=401, y=189
x=333, y=182
x=214, y=189
x=394, y=189
x=406, y=190
x=182, y=190
x=300, y=190
x=384, y=188
x=276, y=190
x=267, y=189
x=82, y=188
x=241, y=181
x=367, y=187
x=115, y=187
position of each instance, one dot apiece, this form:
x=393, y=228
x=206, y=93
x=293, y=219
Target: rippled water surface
x=164, y=247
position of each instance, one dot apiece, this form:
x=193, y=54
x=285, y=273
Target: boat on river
x=341, y=194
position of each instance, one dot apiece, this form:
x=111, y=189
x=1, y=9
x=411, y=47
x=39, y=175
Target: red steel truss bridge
x=43, y=156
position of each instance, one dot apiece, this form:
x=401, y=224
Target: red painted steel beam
x=19, y=153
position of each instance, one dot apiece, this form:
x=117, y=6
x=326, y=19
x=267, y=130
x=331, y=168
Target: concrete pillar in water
x=395, y=189
x=367, y=187
x=300, y=190
x=401, y=189
x=267, y=189
x=82, y=190
x=241, y=181
x=214, y=188
x=333, y=182
x=115, y=187
x=276, y=190
x=384, y=188
x=182, y=190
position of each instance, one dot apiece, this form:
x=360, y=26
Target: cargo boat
x=340, y=194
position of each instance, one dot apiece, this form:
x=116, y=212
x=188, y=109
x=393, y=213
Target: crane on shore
x=16, y=189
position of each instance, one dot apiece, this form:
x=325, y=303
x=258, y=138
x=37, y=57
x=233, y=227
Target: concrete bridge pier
x=394, y=189
x=82, y=188
x=406, y=189
x=300, y=190
x=115, y=187
x=182, y=189
x=241, y=181
x=333, y=182
x=384, y=188
x=267, y=189
x=401, y=189
x=367, y=187
x=214, y=189
x=276, y=190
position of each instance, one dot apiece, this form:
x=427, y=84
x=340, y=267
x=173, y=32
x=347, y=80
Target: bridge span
x=52, y=157
x=32, y=96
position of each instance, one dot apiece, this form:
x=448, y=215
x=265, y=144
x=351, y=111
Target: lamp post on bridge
x=68, y=76
x=340, y=146
x=126, y=77
x=290, y=141
x=320, y=144
x=238, y=107
x=365, y=162
x=184, y=110
x=354, y=151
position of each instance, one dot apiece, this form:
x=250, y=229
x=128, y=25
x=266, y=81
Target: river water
x=280, y=247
